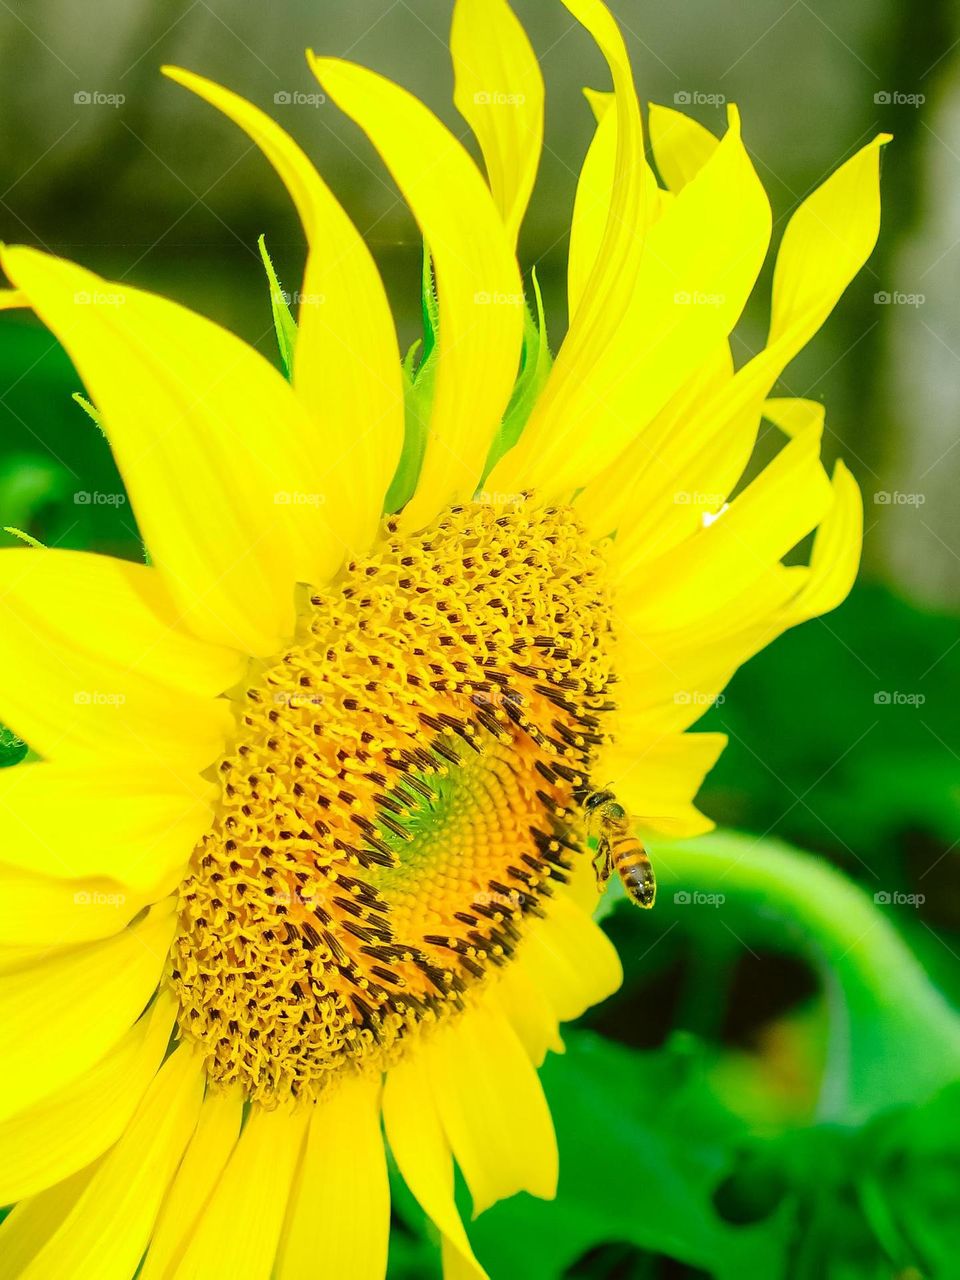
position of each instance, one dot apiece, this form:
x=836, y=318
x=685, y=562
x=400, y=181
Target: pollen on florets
x=399, y=796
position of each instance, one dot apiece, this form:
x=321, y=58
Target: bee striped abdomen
x=635, y=869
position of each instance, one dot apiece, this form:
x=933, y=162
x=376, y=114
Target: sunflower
x=300, y=871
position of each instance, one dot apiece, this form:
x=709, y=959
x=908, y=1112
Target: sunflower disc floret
x=400, y=795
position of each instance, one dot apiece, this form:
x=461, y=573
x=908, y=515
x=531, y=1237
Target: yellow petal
x=669, y=679
x=119, y=824
x=595, y=191
x=529, y=1011
x=699, y=265
x=35, y=909
x=69, y=1129
x=12, y=299
x=571, y=959
x=681, y=146
x=199, y=1173
x=499, y=92
x=836, y=552
x=657, y=778
x=423, y=1155
x=794, y=416
x=773, y=513
x=89, y=996
x=106, y=1232
x=342, y=1195
x=118, y=612
x=31, y=1223
x=492, y=1107
x=591, y=205
x=75, y=705
x=826, y=242
x=237, y=1232
x=607, y=294
x=347, y=364
x=222, y=463
x=647, y=492
x=478, y=282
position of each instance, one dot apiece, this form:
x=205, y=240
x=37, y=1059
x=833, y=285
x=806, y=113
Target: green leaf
x=866, y=1204
x=419, y=383
x=283, y=321
x=643, y=1144
x=89, y=410
x=28, y=483
x=535, y=365
x=12, y=748
x=893, y=1038
x=854, y=713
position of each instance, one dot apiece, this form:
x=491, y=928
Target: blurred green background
x=770, y=1095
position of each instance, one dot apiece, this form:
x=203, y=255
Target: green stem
x=893, y=1038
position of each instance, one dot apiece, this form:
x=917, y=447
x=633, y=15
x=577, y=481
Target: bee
x=618, y=848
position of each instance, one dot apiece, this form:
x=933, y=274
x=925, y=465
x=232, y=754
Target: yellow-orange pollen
x=402, y=791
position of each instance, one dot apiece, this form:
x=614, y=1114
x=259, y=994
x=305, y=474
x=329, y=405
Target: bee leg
x=602, y=865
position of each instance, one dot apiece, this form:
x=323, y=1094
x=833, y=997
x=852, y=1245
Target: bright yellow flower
x=304, y=850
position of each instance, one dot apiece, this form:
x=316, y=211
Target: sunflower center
x=400, y=797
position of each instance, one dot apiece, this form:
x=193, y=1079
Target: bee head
x=596, y=799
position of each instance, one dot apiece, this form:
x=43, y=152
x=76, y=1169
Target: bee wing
x=645, y=823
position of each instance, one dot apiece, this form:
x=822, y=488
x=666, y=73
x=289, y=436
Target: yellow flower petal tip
x=329, y=786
